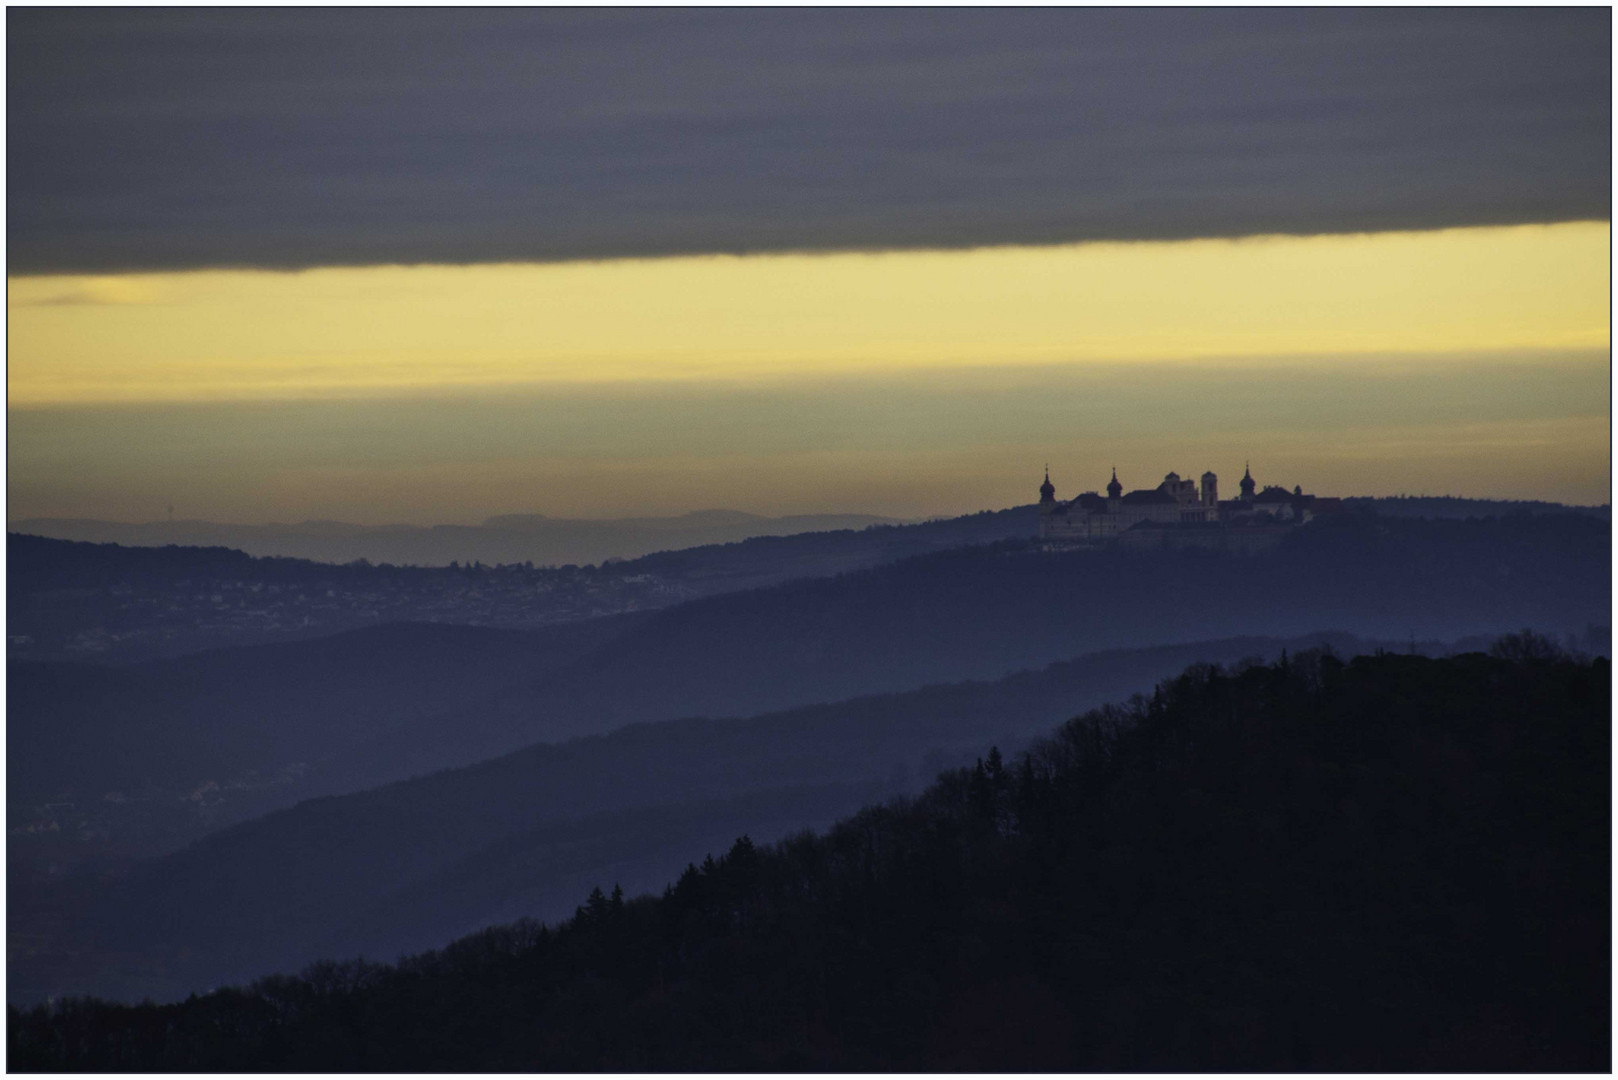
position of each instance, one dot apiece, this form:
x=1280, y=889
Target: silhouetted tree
x=1526, y=646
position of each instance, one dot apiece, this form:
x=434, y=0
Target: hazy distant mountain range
x=508, y=538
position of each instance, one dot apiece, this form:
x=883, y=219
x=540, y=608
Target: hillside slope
x=129, y=760
x=1394, y=864
x=409, y=864
x=381, y=713
x=107, y=603
x=982, y=612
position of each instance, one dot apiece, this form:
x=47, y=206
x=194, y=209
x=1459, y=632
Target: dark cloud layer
x=290, y=138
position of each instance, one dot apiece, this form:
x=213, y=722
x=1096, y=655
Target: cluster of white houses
x=1173, y=504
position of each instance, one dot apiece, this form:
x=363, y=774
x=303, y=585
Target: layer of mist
x=412, y=864
x=508, y=538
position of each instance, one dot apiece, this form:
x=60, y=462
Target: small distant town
x=1179, y=513
x=137, y=619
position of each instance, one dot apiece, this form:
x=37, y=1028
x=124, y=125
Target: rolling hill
x=404, y=865
x=1394, y=864
x=386, y=704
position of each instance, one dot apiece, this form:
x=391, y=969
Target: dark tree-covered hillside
x=1395, y=863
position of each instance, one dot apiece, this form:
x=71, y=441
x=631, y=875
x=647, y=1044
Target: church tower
x=1115, y=492
x=1248, y=485
x=1047, y=492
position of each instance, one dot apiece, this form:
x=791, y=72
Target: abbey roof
x=1147, y=497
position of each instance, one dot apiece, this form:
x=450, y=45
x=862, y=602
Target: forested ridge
x=407, y=866
x=1393, y=863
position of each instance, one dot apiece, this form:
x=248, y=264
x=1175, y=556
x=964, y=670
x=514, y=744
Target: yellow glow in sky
x=231, y=335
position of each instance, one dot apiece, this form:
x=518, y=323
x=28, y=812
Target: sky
x=434, y=265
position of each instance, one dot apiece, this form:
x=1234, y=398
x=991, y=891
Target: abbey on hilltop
x=1180, y=505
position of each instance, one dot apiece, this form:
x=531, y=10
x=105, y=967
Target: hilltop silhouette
x=1395, y=863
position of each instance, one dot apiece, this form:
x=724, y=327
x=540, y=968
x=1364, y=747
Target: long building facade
x=1173, y=503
